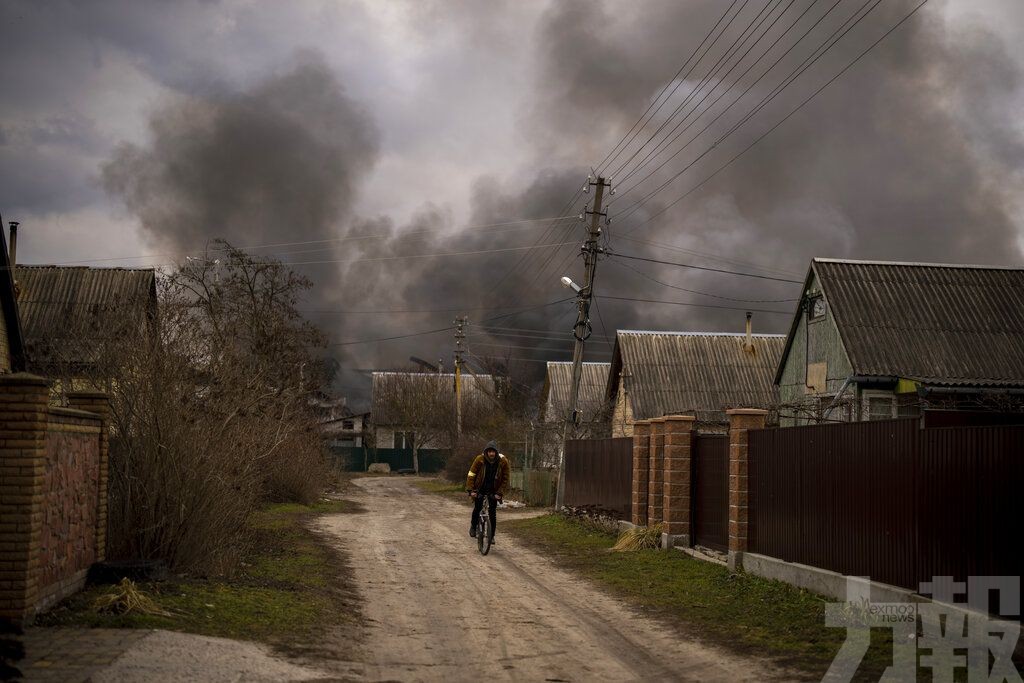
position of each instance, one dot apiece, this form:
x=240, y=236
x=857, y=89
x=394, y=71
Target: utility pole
x=460, y=336
x=582, y=329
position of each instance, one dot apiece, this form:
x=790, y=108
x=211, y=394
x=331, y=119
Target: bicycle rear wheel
x=483, y=536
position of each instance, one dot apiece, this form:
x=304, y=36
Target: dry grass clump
x=124, y=598
x=639, y=538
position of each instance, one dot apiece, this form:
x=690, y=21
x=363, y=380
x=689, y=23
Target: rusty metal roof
x=936, y=323
x=695, y=373
x=557, y=389
x=57, y=302
x=384, y=401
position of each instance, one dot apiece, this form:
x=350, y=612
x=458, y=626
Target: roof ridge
x=700, y=334
x=922, y=264
x=102, y=269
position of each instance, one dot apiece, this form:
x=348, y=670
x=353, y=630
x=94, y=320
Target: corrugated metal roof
x=558, y=385
x=382, y=408
x=696, y=373
x=56, y=303
x=939, y=324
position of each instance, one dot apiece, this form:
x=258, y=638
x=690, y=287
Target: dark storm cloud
x=911, y=156
x=279, y=162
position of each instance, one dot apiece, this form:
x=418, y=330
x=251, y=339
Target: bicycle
x=483, y=525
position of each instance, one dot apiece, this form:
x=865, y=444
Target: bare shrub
x=209, y=409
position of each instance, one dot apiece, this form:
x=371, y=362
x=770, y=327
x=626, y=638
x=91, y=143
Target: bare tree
x=209, y=407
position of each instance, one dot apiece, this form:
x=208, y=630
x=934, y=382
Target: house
x=879, y=339
x=345, y=431
x=698, y=373
x=63, y=314
x=12, y=348
x=413, y=410
x=555, y=406
x=557, y=389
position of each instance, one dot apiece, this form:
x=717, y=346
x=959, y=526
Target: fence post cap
x=679, y=418
x=88, y=393
x=25, y=378
x=746, y=411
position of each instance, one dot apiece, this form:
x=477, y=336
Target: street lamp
x=567, y=281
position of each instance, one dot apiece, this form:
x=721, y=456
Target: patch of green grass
x=739, y=611
x=288, y=589
x=443, y=487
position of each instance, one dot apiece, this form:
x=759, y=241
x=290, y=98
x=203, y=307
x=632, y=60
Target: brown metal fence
x=890, y=500
x=599, y=472
x=710, y=484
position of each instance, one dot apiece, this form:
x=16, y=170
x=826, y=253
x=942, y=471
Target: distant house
x=555, y=407
x=345, y=431
x=557, y=390
x=697, y=373
x=413, y=410
x=63, y=311
x=877, y=340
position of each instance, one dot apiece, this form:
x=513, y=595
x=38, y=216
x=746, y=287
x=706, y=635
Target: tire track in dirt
x=437, y=609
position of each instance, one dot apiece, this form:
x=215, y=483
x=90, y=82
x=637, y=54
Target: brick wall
x=52, y=495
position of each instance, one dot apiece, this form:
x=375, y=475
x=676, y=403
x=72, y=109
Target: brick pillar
x=97, y=402
x=24, y=407
x=679, y=433
x=656, y=474
x=641, y=470
x=741, y=421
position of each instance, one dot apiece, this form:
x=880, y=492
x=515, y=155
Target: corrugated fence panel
x=599, y=472
x=710, y=485
x=890, y=500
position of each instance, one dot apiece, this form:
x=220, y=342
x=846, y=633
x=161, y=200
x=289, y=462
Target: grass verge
x=442, y=487
x=741, y=612
x=290, y=587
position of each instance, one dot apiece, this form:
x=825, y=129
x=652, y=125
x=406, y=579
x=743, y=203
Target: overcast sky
x=147, y=128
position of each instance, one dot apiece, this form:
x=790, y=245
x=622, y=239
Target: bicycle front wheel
x=483, y=536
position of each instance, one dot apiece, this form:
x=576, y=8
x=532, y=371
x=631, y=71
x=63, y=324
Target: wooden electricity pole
x=582, y=329
x=460, y=336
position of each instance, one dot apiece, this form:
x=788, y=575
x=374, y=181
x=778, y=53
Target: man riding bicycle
x=488, y=477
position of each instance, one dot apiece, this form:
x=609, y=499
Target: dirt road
x=438, y=610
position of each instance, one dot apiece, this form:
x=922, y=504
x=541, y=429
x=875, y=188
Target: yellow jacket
x=475, y=478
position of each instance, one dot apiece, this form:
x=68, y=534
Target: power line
x=687, y=303
x=347, y=238
x=726, y=56
x=531, y=348
x=442, y=329
x=707, y=268
x=678, y=81
x=709, y=255
x=662, y=147
x=786, y=82
x=788, y=116
x=694, y=291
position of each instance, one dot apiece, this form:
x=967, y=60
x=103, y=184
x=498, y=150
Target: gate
x=599, y=472
x=710, y=498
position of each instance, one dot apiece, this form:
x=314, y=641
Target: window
x=348, y=424
x=831, y=409
x=404, y=439
x=880, y=407
x=816, y=309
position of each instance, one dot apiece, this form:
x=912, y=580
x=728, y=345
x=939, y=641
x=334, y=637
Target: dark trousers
x=492, y=509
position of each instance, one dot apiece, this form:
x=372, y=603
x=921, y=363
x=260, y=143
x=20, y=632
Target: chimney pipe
x=14, y=243
x=749, y=345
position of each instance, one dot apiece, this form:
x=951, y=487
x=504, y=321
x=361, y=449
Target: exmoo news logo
x=948, y=635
